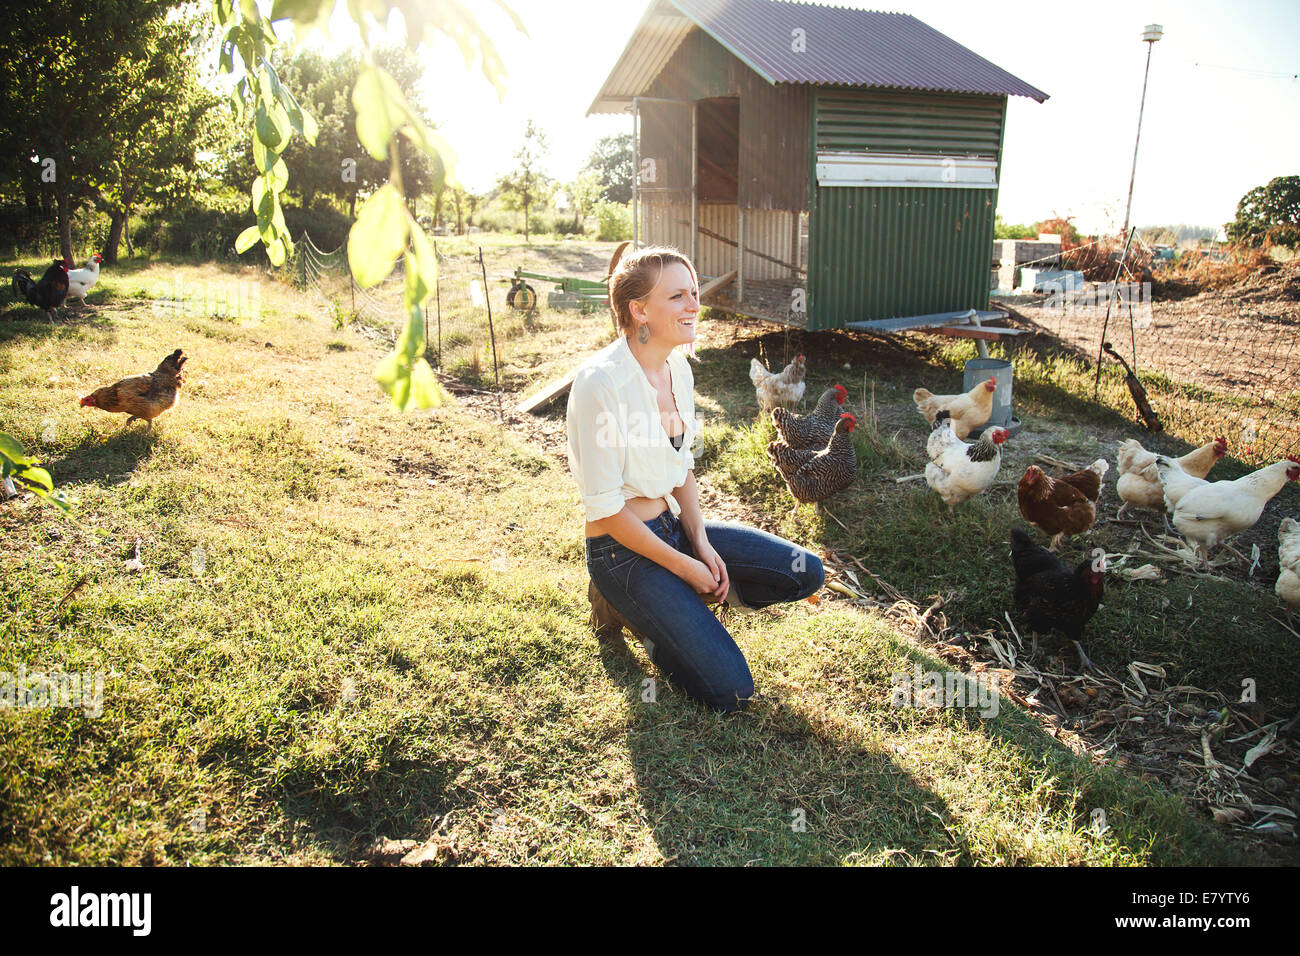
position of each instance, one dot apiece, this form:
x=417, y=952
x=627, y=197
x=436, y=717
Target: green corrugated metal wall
x=878, y=252
x=893, y=122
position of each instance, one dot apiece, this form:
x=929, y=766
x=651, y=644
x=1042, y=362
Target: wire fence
x=460, y=333
x=1223, y=362
x=28, y=229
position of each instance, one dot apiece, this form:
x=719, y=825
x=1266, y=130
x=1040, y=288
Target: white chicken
x=1211, y=513
x=960, y=470
x=1139, y=480
x=81, y=281
x=1288, y=556
x=782, y=389
x=1175, y=482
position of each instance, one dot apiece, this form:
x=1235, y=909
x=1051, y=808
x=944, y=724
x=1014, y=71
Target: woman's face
x=671, y=307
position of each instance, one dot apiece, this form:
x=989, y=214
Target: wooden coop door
x=718, y=126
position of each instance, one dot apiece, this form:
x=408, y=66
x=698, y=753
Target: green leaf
x=248, y=10
x=16, y=463
x=376, y=119
x=12, y=449
x=263, y=159
x=39, y=477
x=421, y=267
x=275, y=252
x=270, y=220
x=405, y=375
x=426, y=390
x=245, y=44
x=246, y=239
x=223, y=12
x=378, y=236
x=303, y=12
x=272, y=125
x=279, y=176
x=301, y=121
x=310, y=129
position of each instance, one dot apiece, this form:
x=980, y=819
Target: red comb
x=1293, y=458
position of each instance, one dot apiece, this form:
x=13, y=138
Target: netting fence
x=464, y=322
x=28, y=229
x=1222, y=362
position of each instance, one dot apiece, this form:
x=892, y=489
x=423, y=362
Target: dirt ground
x=1240, y=341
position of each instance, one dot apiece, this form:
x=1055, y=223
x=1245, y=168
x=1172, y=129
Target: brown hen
x=143, y=396
x=1061, y=506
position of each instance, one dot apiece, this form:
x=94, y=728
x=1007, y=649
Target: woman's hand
x=717, y=583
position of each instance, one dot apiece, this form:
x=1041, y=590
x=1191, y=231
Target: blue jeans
x=683, y=637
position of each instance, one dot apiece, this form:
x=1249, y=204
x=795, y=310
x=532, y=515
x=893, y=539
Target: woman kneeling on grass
x=653, y=559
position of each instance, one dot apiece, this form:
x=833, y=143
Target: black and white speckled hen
x=830, y=470
x=813, y=430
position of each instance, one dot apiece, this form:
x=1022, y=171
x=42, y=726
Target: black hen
x=48, y=294
x=1053, y=597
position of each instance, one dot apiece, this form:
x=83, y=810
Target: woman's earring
x=643, y=333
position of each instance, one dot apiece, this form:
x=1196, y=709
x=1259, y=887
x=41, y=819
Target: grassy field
x=353, y=623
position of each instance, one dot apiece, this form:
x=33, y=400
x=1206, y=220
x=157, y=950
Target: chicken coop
x=824, y=167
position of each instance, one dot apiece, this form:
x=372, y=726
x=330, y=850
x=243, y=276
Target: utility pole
x=1150, y=34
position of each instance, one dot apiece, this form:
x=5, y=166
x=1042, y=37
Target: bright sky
x=1221, y=110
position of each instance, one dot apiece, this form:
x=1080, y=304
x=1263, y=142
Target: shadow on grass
x=106, y=461
x=769, y=787
x=22, y=321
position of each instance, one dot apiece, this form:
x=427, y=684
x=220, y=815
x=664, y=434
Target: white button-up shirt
x=618, y=448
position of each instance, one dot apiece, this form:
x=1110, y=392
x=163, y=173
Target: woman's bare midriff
x=646, y=509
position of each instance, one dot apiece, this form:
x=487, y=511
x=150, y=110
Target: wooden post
x=740, y=255
x=487, y=299
x=794, y=241
x=695, y=185
x=437, y=298
x=636, y=174
x=980, y=345
x=1123, y=260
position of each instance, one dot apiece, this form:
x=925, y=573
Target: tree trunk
x=126, y=231
x=65, y=224
x=117, y=226
x=116, y=220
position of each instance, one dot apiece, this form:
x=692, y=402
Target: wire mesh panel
x=1224, y=362
x=28, y=229
x=458, y=329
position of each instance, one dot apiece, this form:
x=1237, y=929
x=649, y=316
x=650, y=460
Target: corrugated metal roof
x=862, y=48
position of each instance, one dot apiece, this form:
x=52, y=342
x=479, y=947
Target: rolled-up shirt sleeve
x=597, y=448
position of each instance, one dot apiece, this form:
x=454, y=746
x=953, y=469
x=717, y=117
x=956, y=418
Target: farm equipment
x=585, y=295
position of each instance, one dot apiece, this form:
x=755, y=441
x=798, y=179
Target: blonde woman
x=654, y=561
